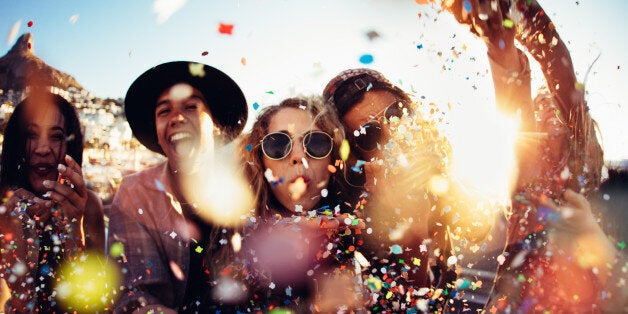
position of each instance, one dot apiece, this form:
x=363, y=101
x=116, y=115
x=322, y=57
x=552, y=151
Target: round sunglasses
x=371, y=133
x=278, y=145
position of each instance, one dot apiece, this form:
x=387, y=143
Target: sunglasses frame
x=302, y=135
x=375, y=121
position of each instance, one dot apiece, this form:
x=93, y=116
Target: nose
x=298, y=153
x=176, y=117
x=42, y=147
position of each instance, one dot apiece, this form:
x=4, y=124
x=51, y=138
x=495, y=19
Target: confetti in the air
x=372, y=35
x=166, y=8
x=12, y=35
x=74, y=18
x=366, y=59
x=30, y=23
x=226, y=29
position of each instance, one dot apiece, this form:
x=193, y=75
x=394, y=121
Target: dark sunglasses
x=371, y=133
x=277, y=145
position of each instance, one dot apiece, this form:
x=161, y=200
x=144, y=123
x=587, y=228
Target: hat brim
x=225, y=99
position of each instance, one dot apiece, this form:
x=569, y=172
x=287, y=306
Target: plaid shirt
x=147, y=219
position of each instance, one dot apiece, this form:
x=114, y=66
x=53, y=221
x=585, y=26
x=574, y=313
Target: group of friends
x=331, y=219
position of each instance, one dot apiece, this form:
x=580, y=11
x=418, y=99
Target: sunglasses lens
x=276, y=145
x=317, y=144
x=397, y=110
x=372, y=135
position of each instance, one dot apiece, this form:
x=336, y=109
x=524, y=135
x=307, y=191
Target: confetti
x=197, y=69
x=344, y=150
x=396, y=249
x=204, y=53
x=226, y=29
x=508, y=23
x=30, y=23
x=243, y=61
x=255, y=106
x=249, y=147
x=74, y=18
x=116, y=249
x=331, y=168
x=466, y=4
x=366, y=59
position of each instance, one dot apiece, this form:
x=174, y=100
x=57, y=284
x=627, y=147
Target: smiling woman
x=49, y=216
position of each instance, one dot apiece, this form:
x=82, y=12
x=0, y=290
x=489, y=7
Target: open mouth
x=297, y=187
x=43, y=169
x=183, y=143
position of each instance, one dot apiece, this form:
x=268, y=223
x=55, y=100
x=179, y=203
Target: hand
x=36, y=208
x=70, y=198
x=486, y=19
x=577, y=232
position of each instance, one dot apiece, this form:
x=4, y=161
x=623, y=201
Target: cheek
x=320, y=171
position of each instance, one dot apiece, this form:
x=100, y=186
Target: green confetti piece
x=199, y=249
x=270, y=92
x=521, y=278
x=508, y=23
x=622, y=245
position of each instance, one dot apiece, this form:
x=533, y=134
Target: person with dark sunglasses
x=405, y=231
x=292, y=157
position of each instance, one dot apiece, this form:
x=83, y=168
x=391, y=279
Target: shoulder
x=146, y=178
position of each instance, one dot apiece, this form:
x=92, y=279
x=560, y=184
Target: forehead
x=293, y=120
x=43, y=114
x=179, y=92
x=373, y=103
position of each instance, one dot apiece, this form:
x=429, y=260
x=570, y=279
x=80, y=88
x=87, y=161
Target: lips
x=43, y=169
x=305, y=179
x=182, y=142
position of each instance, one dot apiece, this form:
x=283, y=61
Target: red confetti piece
x=30, y=23
x=204, y=53
x=226, y=29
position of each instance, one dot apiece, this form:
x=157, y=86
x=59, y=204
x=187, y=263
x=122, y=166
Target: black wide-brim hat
x=225, y=99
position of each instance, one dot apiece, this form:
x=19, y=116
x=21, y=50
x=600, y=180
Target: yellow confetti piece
x=197, y=69
x=344, y=150
x=416, y=261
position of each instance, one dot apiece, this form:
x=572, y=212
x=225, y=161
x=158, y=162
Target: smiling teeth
x=179, y=136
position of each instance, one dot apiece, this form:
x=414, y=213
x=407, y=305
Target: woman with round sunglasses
x=292, y=158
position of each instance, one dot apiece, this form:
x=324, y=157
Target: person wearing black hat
x=170, y=253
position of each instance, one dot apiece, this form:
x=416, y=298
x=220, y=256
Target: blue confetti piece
x=255, y=106
x=396, y=249
x=249, y=147
x=366, y=59
x=420, y=46
x=159, y=185
x=466, y=4
x=44, y=270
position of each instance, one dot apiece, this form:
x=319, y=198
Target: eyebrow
x=193, y=96
x=35, y=126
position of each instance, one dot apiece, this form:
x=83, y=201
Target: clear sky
x=281, y=48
